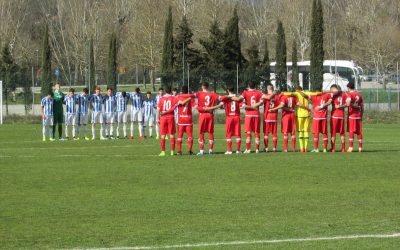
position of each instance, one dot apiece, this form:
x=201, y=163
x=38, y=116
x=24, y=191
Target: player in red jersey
x=319, y=122
x=354, y=121
x=288, y=122
x=206, y=99
x=270, y=124
x=337, y=116
x=185, y=119
x=165, y=109
x=232, y=122
x=250, y=98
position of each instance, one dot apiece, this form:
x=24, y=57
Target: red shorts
x=188, y=129
x=270, y=127
x=232, y=126
x=319, y=126
x=288, y=124
x=206, y=123
x=337, y=126
x=252, y=124
x=167, y=126
x=354, y=125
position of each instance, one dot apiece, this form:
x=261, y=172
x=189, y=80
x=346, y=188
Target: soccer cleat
x=93, y=138
x=200, y=153
x=360, y=150
x=52, y=139
x=247, y=151
x=141, y=137
x=257, y=151
x=238, y=152
x=103, y=138
x=117, y=137
x=285, y=151
x=324, y=150
x=172, y=153
x=191, y=153
x=61, y=139
x=332, y=150
x=66, y=138
x=130, y=137
x=179, y=153
x=112, y=137
x=228, y=152
x=315, y=151
x=350, y=150
x=76, y=138
x=87, y=138
x=162, y=153
x=343, y=150
x=266, y=150
x=210, y=152
x=44, y=138
x=274, y=150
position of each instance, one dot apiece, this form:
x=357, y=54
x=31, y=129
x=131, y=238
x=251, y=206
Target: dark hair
x=298, y=87
x=161, y=89
x=175, y=89
x=168, y=90
x=97, y=88
x=72, y=90
x=123, y=93
x=109, y=88
x=350, y=85
x=148, y=93
x=270, y=85
x=334, y=86
x=205, y=85
x=137, y=90
x=252, y=84
x=231, y=89
x=185, y=89
x=85, y=90
x=49, y=92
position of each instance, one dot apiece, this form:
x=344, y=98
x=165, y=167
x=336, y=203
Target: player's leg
x=284, y=130
x=315, y=132
x=101, y=120
x=144, y=126
x=119, y=117
x=67, y=121
x=124, y=120
x=256, y=122
x=333, y=126
x=60, y=121
x=140, y=121
x=211, y=135
x=73, y=127
x=342, y=135
x=285, y=141
x=359, y=134
x=134, y=118
x=324, y=131
x=299, y=128
x=157, y=127
x=84, y=121
x=151, y=121
x=112, y=119
x=172, y=131
x=44, y=123
x=247, y=130
x=265, y=131
x=201, y=127
x=293, y=133
x=162, y=138
x=51, y=127
x=228, y=134
x=180, y=138
x=93, y=121
x=189, y=132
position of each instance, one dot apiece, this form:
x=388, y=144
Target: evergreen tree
x=8, y=73
x=112, y=63
x=46, y=63
x=266, y=67
x=91, y=67
x=317, y=46
x=167, y=60
x=295, y=67
x=232, y=49
x=280, y=67
x=24, y=77
x=252, y=65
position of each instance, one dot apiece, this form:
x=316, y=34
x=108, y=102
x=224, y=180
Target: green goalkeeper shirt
x=58, y=99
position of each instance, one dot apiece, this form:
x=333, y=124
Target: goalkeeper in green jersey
x=58, y=99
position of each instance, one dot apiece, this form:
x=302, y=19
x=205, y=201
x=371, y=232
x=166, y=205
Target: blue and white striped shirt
x=109, y=104
x=83, y=104
x=158, y=97
x=122, y=102
x=70, y=104
x=47, y=105
x=149, y=105
x=96, y=101
x=137, y=101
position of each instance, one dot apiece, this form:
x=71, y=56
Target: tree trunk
x=152, y=80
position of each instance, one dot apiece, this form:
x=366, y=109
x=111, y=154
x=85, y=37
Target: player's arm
x=280, y=106
x=183, y=103
x=42, y=110
x=221, y=104
x=325, y=105
x=299, y=104
x=237, y=98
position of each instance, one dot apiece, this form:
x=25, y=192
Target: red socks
x=211, y=140
x=162, y=143
x=248, y=141
x=294, y=143
x=351, y=139
x=285, y=141
x=325, y=141
x=201, y=141
x=238, y=142
x=257, y=141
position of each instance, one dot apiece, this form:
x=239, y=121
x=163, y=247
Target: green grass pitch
x=119, y=193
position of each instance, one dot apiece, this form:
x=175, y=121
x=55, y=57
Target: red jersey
x=206, y=99
x=251, y=97
x=288, y=102
x=317, y=101
x=338, y=100
x=185, y=111
x=232, y=108
x=355, y=98
x=167, y=104
x=270, y=104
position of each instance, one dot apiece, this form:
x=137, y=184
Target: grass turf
x=119, y=193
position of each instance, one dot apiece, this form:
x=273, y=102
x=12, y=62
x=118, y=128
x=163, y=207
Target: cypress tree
x=253, y=65
x=112, y=63
x=8, y=73
x=317, y=46
x=266, y=67
x=46, y=63
x=295, y=67
x=92, y=69
x=167, y=60
x=281, y=58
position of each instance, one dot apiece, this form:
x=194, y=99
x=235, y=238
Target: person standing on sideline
x=58, y=99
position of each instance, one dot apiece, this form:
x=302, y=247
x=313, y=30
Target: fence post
x=389, y=95
x=369, y=99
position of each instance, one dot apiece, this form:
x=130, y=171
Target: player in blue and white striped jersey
x=83, y=110
x=149, y=105
x=96, y=101
x=157, y=99
x=136, y=111
x=122, y=102
x=46, y=109
x=109, y=112
x=70, y=112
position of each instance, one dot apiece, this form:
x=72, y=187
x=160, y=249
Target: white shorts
x=48, y=120
x=149, y=120
x=70, y=119
x=109, y=117
x=83, y=118
x=136, y=115
x=97, y=117
x=121, y=117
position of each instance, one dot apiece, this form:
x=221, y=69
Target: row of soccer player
x=105, y=110
x=295, y=117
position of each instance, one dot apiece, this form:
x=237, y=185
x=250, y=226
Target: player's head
x=298, y=88
x=137, y=90
x=168, y=90
x=123, y=93
x=97, y=90
x=334, y=88
x=252, y=84
x=270, y=88
x=57, y=86
x=205, y=85
x=49, y=94
x=71, y=91
x=350, y=86
x=174, y=91
x=85, y=91
x=160, y=91
x=148, y=94
x=109, y=91
x=185, y=89
x=231, y=90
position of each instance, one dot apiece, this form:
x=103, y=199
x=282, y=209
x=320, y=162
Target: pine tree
x=252, y=65
x=112, y=63
x=281, y=58
x=91, y=67
x=317, y=46
x=295, y=67
x=8, y=73
x=46, y=63
x=167, y=61
x=266, y=67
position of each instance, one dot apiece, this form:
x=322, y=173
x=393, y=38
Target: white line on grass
x=250, y=242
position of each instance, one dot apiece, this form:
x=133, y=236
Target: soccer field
x=119, y=193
